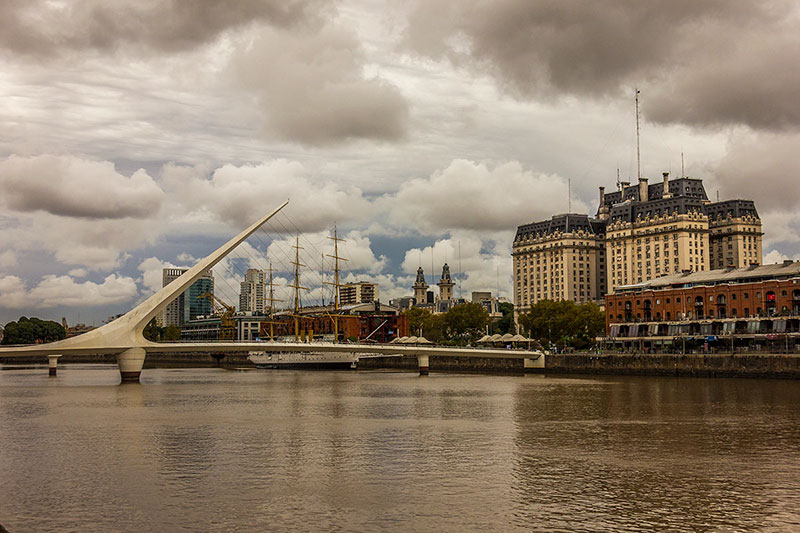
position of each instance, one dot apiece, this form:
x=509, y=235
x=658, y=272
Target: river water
x=235, y=450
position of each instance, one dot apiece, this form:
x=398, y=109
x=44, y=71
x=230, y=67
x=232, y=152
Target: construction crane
x=225, y=312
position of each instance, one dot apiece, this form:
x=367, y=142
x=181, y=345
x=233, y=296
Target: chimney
x=602, y=196
x=643, y=196
x=665, y=194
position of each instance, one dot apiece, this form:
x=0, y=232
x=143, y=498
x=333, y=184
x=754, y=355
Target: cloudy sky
x=135, y=135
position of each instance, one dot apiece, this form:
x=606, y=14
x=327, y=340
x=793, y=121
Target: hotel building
x=640, y=232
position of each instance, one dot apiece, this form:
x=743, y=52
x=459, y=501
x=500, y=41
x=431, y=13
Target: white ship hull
x=307, y=361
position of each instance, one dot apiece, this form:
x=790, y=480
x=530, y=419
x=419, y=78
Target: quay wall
x=784, y=366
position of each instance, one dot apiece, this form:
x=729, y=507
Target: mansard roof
x=565, y=223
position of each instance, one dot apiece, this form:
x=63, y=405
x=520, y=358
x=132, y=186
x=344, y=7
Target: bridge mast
x=336, y=240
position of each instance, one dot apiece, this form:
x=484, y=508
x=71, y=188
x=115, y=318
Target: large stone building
x=253, y=290
x=361, y=292
x=559, y=259
x=641, y=232
x=188, y=305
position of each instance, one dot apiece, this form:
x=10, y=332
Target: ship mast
x=336, y=240
x=272, y=301
x=297, y=288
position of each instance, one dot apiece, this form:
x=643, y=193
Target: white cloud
x=238, y=195
x=78, y=272
x=774, y=256
x=55, y=291
x=483, y=263
x=470, y=195
x=74, y=187
x=8, y=259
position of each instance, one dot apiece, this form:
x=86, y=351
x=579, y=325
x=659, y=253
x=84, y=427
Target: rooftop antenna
x=433, y=278
x=683, y=171
x=638, y=152
x=619, y=183
x=717, y=195
x=569, y=195
x=459, y=268
x=497, y=295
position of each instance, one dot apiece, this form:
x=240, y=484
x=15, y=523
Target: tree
x=33, y=330
x=563, y=323
x=416, y=320
x=153, y=331
x=505, y=324
x=172, y=333
x=466, y=322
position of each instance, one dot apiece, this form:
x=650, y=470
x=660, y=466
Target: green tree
x=505, y=324
x=466, y=322
x=172, y=333
x=416, y=319
x=33, y=330
x=153, y=331
x=434, y=329
x=563, y=323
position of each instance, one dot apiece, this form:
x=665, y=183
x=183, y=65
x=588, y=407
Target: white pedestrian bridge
x=124, y=338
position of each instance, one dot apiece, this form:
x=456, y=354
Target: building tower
x=445, y=285
x=420, y=287
x=188, y=305
x=252, y=294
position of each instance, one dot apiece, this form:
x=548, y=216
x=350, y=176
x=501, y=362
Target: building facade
x=640, y=232
x=754, y=300
x=188, y=305
x=361, y=292
x=559, y=259
x=253, y=290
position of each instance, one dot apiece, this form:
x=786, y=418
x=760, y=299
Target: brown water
x=224, y=450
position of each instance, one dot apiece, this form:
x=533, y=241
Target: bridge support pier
x=529, y=364
x=52, y=365
x=130, y=364
x=422, y=361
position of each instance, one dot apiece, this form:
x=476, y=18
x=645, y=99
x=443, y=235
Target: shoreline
x=750, y=365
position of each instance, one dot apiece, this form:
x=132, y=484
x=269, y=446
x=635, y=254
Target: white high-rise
x=253, y=291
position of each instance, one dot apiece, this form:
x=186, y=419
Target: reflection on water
x=204, y=449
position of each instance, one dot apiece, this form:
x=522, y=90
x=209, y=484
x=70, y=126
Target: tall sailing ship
x=310, y=360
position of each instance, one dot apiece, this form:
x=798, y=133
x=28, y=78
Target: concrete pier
x=530, y=364
x=52, y=365
x=130, y=364
x=422, y=361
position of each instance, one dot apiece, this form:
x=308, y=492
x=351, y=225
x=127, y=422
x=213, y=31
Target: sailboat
x=310, y=360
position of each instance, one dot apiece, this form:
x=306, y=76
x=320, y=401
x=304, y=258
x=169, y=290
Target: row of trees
x=155, y=332
x=32, y=330
x=561, y=324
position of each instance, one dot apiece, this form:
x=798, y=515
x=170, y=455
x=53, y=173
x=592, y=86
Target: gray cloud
x=42, y=28
x=762, y=167
x=716, y=62
x=74, y=187
x=311, y=88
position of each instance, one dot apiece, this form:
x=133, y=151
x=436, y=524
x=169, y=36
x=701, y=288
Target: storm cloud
x=42, y=28
x=311, y=88
x=712, y=63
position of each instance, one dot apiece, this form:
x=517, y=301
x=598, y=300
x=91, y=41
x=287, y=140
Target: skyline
x=139, y=138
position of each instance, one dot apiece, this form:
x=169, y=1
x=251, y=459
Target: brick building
x=751, y=301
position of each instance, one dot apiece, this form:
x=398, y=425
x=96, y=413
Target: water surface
x=228, y=450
